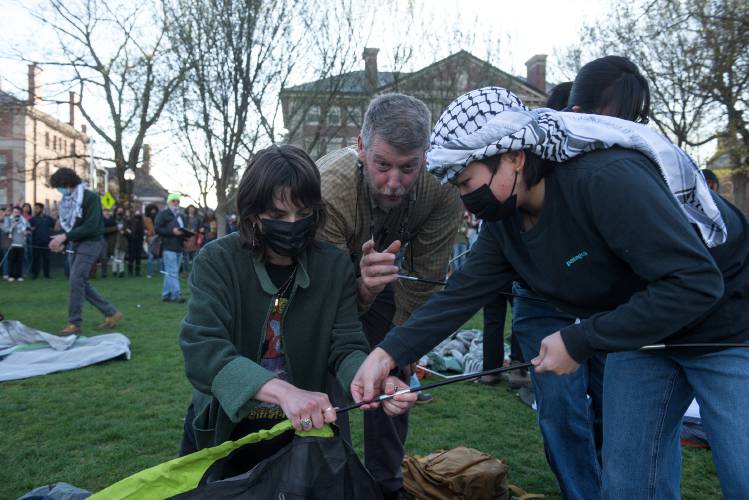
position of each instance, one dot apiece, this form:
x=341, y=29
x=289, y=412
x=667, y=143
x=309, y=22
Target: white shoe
x=11, y=280
x=19, y=279
x=5, y=277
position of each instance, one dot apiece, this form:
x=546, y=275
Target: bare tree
x=722, y=27
x=119, y=53
x=239, y=56
x=234, y=52
x=693, y=53
x=649, y=34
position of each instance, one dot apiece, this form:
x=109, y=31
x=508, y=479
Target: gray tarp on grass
x=26, y=352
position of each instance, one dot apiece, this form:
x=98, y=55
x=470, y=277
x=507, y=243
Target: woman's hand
x=399, y=404
x=371, y=377
x=305, y=409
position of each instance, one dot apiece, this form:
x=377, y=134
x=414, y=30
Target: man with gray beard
x=393, y=218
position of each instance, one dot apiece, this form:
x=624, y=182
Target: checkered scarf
x=71, y=207
x=492, y=120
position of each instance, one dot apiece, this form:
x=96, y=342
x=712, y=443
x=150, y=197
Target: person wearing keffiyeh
x=82, y=225
x=609, y=222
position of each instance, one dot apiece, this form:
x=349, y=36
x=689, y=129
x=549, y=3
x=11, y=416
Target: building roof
x=6, y=98
x=355, y=82
x=144, y=185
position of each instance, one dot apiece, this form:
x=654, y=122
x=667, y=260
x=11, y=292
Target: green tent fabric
x=184, y=473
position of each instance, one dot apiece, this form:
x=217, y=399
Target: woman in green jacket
x=272, y=312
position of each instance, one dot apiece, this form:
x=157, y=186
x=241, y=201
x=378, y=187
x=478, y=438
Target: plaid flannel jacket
x=426, y=223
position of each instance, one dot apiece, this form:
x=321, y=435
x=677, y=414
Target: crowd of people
x=25, y=233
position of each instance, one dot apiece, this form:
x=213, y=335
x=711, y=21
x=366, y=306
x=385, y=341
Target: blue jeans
x=566, y=415
x=171, y=262
x=150, y=264
x=459, y=248
x=645, y=398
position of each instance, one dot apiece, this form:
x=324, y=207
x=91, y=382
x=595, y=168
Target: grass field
x=94, y=426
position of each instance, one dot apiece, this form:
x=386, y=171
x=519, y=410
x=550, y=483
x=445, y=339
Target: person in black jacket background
x=170, y=226
x=134, y=233
x=42, y=226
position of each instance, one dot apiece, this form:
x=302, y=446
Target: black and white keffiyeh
x=492, y=120
x=71, y=207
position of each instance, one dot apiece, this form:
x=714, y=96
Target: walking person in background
x=170, y=226
x=42, y=226
x=81, y=221
x=17, y=228
x=134, y=231
x=120, y=244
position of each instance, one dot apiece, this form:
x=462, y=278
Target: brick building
x=34, y=144
x=326, y=114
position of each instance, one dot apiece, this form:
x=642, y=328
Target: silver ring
x=306, y=423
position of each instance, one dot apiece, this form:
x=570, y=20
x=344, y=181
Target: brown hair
x=271, y=170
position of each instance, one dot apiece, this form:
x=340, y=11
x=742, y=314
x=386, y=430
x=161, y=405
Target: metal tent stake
x=458, y=378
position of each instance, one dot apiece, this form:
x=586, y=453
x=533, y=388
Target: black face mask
x=288, y=239
x=484, y=205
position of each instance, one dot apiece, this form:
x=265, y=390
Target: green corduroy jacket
x=223, y=332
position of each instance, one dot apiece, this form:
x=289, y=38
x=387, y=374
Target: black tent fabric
x=309, y=468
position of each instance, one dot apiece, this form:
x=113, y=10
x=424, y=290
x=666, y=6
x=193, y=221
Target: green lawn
x=94, y=426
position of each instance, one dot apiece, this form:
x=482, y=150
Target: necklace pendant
x=275, y=304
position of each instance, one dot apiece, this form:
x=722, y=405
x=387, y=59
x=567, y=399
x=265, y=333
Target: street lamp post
x=129, y=178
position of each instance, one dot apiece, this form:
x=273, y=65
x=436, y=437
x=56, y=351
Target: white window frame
x=311, y=112
x=333, y=111
x=353, y=114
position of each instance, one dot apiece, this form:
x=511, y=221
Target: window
x=54, y=143
x=46, y=139
x=3, y=164
x=313, y=115
x=354, y=117
x=334, y=116
x=334, y=144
